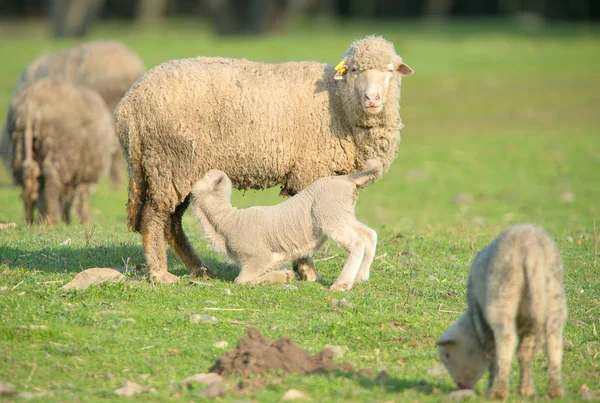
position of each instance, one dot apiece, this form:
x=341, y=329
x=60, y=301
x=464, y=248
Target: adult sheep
x=59, y=133
x=108, y=68
x=262, y=124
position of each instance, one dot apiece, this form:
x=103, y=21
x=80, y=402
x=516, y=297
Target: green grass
x=495, y=114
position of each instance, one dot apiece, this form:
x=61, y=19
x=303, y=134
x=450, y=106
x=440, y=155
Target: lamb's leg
x=153, y=239
x=369, y=237
x=276, y=276
x=305, y=268
x=554, y=343
x=505, y=336
x=83, y=201
x=348, y=239
x=116, y=169
x=51, y=193
x=250, y=272
x=525, y=354
x=181, y=245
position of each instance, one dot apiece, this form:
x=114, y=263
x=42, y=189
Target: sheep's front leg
x=355, y=249
x=181, y=245
x=153, y=239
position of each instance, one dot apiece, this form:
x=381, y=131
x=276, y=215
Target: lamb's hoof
x=497, y=394
x=204, y=272
x=526, y=391
x=555, y=391
x=340, y=286
x=164, y=278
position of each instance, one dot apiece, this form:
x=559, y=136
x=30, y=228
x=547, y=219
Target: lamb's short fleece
x=515, y=291
x=263, y=124
x=262, y=238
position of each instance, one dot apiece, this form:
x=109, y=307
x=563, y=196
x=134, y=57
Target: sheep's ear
x=219, y=182
x=446, y=340
x=340, y=70
x=404, y=69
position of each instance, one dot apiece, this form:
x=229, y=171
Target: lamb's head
x=462, y=353
x=214, y=183
x=370, y=72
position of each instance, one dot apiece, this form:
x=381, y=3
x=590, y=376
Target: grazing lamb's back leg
x=525, y=354
x=51, y=193
x=83, y=203
x=181, y=245
x=348, y=239
x=276, y=276
x=555, y=321
x=152, y=229
x=369, y=237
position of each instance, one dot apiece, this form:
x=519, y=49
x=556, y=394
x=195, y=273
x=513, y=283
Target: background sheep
x=262, y=124
x=109, y=68
x=59, y=133
x=515, y=289
x=261, y=238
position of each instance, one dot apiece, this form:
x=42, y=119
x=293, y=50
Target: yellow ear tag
x=339, y=66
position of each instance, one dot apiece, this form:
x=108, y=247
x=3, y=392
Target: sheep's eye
x=354, y=69
x=390, y=71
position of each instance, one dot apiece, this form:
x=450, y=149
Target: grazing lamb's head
x=462, y=354
x=213, y=183
x=371, y=69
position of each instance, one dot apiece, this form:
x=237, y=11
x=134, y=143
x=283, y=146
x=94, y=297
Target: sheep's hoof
x=164, y=278
x=340, y=286
x=497, y=393
x=555, y=391
x=203, y=271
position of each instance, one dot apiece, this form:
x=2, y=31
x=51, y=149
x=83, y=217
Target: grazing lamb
x=261, y=238
x=515, y=290
x=59, y=133
x=109, y=68
x=262, y=124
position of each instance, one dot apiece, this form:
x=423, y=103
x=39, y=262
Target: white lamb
x=262, y=238
x=515, y=291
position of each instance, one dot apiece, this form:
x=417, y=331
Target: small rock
x=130, y=389
x=342, y=303
x=8, y=225
x=4, y=288
x=7, y=389
x=66, y=242
x=432, y=278
x=197, y=318
x=289, y=287
x=567, y=197
x=226, y=291
x=201, y=379
x=294, y=394
x=569, y=239
x=408, y=252
x=212, y=390
x=438, y=370
x=221, y=344
x=200, y=284
x=94, y=276
x=459, y=395
x=338, y=351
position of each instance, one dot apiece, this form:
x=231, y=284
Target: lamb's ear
x=219, y=182
x=446, y=340
x=340, y=70
x=404, y=69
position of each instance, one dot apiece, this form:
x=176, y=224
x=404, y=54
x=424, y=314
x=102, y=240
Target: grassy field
x=502, y=126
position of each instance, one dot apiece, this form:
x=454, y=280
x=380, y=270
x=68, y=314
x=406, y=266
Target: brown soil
x=257, y=354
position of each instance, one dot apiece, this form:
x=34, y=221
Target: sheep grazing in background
x=262, y=124
x=108, y=68
x=261, y=238
x=59, y=136
x=515, y=290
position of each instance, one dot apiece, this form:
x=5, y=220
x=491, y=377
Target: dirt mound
x=257, y=354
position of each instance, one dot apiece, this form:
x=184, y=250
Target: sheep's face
x=371, y=85
x=213, y=183
x=462, y=355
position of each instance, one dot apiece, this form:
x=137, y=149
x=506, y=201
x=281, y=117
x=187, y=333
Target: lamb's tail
x=373, y=171
x=129, y=139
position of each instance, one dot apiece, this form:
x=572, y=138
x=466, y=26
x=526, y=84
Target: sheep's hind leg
x=182, y=246
x=153, y=239
x=525, y=354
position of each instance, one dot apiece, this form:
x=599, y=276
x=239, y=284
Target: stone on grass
x=459, y=395
x=289, y=287
x=32, y=327
x=95, y=276
x=201, y=379
x=342, y=303
x=130, y=389
x=226, y=291
x=212, y=390
x=437, y=371
x=221, y=344
x=294, y=394
x=7, y=389
x=338, y=351
x=197, y=318
x=4, y=288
